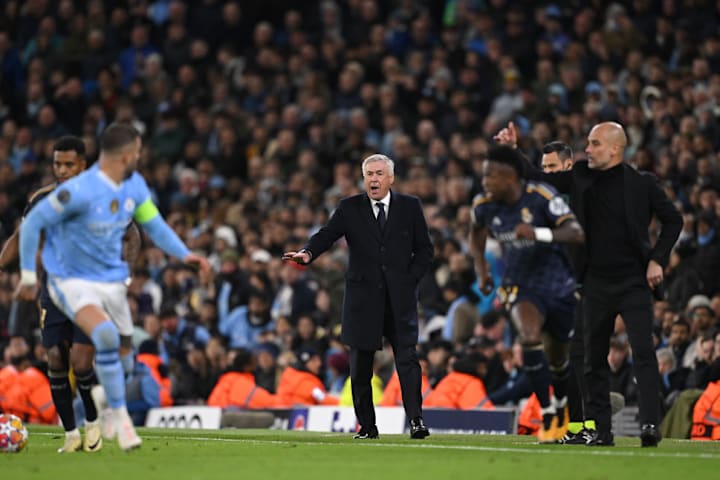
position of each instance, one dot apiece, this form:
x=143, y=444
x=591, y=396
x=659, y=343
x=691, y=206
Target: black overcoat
x=389, y=263
x=644, y=198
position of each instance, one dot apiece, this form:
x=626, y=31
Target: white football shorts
x=72, y=294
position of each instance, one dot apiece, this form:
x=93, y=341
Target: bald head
x=606, y=145
x=614, y=133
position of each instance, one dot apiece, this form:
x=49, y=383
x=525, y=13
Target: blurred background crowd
x=256, y=117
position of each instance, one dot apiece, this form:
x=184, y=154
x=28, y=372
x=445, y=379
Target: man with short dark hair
x=529, y=219
x=557, y=156
x=66, y=344
x=84, y=221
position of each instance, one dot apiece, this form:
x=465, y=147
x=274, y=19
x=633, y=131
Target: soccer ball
x=13, y=434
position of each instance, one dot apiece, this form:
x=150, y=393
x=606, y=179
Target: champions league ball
x=13, y=434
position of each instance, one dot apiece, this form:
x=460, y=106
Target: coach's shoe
x=128, y=439
x=601, y=439
x=649, y=435
x=93, y=436
x=367, y=433
x=73, y=442
x=107, y=424
x=580, y=438
x=418, y=430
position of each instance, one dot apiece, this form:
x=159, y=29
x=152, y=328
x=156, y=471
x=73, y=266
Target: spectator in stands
x=703, y=323
x=244, y=325
x=679, y=339
x=266, y=371
x=196, y=378
x=621, y=376
x=150, y=384
x=462, y=314
x=237, y=388
x=179, y=334
x=672, y=376
x=463, y=387
x=25, y=390
x=300, y=384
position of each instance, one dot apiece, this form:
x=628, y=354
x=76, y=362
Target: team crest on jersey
x=114, y=205
x=496, y=222
x=525, y=215
x=63, y=196
x=129, y=205
x=558, y=207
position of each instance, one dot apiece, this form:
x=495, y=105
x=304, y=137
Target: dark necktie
x=381, y=215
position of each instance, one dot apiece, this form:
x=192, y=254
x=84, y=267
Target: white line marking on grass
x=597, y=451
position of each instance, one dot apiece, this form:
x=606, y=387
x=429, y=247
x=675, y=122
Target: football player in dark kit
x=65, y=343
x=530, y=220
x=558, y=157
x=623, y=269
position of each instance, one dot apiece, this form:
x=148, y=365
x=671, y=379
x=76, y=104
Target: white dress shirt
x=385, y=201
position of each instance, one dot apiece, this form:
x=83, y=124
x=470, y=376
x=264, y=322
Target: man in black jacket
x=615, y=204
x=390, y=251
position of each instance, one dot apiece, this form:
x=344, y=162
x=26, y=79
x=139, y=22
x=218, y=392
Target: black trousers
x=604, y=299
x=577, y=388
x=408, y=369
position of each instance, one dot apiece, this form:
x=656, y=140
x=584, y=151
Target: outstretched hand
x=507, y=136
x=198, y=260
x=303, y=258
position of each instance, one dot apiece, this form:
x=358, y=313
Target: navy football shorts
x=559, y=312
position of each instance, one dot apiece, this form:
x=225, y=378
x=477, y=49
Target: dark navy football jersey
x=537, y=267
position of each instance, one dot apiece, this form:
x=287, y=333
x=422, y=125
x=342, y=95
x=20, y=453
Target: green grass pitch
x=276, y=455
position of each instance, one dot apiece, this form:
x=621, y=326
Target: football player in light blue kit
x=84, y=221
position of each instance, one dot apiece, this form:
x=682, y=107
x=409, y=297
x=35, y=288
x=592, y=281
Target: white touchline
x=475, y=448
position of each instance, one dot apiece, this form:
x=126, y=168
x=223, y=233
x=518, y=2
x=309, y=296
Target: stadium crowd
x=255, y=120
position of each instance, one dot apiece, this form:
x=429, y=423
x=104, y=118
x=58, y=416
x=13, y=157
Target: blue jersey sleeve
x=63, y=202
x=148, y=216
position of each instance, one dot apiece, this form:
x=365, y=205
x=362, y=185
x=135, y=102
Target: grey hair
x=666, y=355
x=379, y=157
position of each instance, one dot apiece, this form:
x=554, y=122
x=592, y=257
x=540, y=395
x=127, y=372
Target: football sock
x=575, y=427
x=536, y=367
x=62, y=398
x=107, y=363
x=85, y=382
x=560, y=377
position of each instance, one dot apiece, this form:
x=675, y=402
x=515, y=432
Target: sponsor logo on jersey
x=525, y=215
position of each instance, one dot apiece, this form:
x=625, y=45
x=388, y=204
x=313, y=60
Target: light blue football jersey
x=85, y=219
